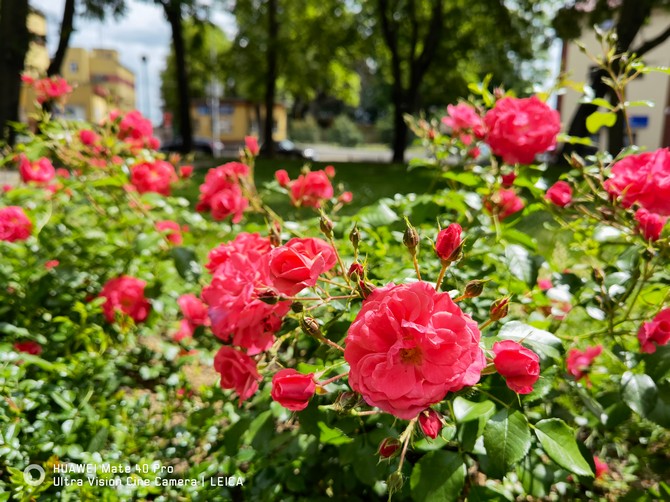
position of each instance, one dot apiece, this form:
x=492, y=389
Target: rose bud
x=345, y=197
x=519, y=366
x=28, y=347
x=185, y=171
x=508, y=179
x=499, y=309
x=268, y=296
x=355, y=236
x=411, y=238
x=650, y=225
x=474, y=288
x=293, y=390
x=430, y=422
x=388, y=447
x=326, y=226
x=395, y=482
x=560, y=194
x=601, y=467
x=297, y=307
x=251, y=144
x=282, y=178
x=310, y=327
x=365, y=289
x=330, y=171
x=449, y=244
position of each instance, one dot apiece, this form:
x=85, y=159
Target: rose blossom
x=47, y=89
x=448, y=242
x=28, y=347
x=504, y=203
x=650, y=224
x=185, y=171
x=655, y=332
x=88, y=137
x=193, y=309
x=519, y=129
x=41, y=171
x=345, y=197
x=601, y=467
x=430, y=422
x=293, y=390
x=298, y=264
x=153, y=176
x=51, y=264
x=508, y=179
x=311, y=189
x=579, y=363
x=252, y=245
x=125, y=294
x=238, y=371
x=282, y=177
x=643, y=178
x=518, y=365
x=185, y=331
x=409, y=346
x=463, y=118
x=560, y=194
x=135, y=130
x=221, y=192
x=14, y=224
x=171, y=230
x=251, y=143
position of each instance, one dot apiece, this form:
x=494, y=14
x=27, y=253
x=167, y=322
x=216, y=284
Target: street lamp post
x=145, y=78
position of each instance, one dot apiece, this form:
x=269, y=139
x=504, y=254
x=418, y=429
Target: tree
x=96, y=9
x=13, y=48
x=630, y=16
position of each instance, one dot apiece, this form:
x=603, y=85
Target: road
x=331, y=153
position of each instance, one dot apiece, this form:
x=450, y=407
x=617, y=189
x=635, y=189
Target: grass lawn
x=368, y=181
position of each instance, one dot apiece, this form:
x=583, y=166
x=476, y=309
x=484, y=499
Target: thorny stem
x=333, y=379
x=406, y=437
x=317, y=298
x=339, y=259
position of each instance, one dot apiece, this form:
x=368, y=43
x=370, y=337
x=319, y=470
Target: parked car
x=200, y=145
x=287, y=148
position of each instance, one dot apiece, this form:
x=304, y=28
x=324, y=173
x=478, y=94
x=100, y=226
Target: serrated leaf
x=558, y=441
x=507, y=438
x=600, y=119
x=438, y=477
x=541, y=341
x=639, y=392
x=465, y=411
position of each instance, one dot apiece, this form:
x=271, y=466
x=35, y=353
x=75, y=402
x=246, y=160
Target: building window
x=74, y=67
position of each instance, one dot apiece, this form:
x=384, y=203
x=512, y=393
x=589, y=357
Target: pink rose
x=293, y=390
x=601, y=467
x=51, y=264
x=430, y=422
x=251, y=144
x=282, y=177
x=560, y=194
x=519, y=129
x=252, y=245
x=228, y=202
x=311, y=189
x=125, y=294
x=448, y=242
x=345, y=197
x=41, y=171
x=221, y=192
x=504, y=203
x=156, y=176
x=172, y=231
x=298, y=264
x=330, y=171
x=185, y=171
x=14, y=224
x=650, y=224
x=409, y=346
x=544, y=284
x=185, y=331
x=519, y=366
x=238, y=371
x=29, y=347
x=579, y=363
x=463, y=118
x=193, y=309
x=655, y=332
x=88, y=137
x=643, y=178
x=48, y=89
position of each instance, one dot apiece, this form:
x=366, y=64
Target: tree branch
x=653, y=43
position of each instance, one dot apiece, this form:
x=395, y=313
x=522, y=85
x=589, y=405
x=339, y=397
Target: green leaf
x=641, y=102
x=507, y=438
x=379, y=215
x=574, y=140
x=639, y=392
x=600, y=119
x=186, y=263
x=521, y=264
x=542, y=342
x=438, y=477
x=558, y=441
x=333, y=435
x=598, y=102
x=465, y=411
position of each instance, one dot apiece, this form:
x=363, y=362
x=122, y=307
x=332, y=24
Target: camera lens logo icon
x=32, y=480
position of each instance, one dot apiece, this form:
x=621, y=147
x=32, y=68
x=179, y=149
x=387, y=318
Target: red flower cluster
x=504, y=203
x=579, y=363
x=135, y=130
x=48, y=89
x=519, y=366
x=195, y=314
x=221, y=193
x=308, y=190
x=156, y=176
x=125, y=294
x=643, y=179
x=409, y=346
x=655, y=332
x=519, y=129
x=41, y=171
x=464, y=122
x=14, y=224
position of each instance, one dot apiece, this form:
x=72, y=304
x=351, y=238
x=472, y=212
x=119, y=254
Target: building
x=650, y=126
x=37, y=57
x=237, y=118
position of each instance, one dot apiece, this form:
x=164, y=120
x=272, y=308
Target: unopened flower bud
x=268, y=296
x=297, y=307
x=365, y=289
x=310, y=327
x=346, y=401
x=499, y=92
x=275, y=234
x=355, y=236
x=449, y=244
x=326, y=226
x=411, y=238
x=430, y=422
x=598, y=276
x=499, y=309
x=388, y=447
x=356, y=272
x=474, y=288
x=395, y=482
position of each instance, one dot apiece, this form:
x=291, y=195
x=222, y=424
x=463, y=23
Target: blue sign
x=639, y=121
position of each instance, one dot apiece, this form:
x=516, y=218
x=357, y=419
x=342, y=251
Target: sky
x=143, y=31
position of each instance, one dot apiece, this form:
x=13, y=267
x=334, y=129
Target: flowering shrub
x=517, y=348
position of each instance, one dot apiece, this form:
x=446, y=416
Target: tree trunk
x=174, y=16
x=270, y=78
x=66, y=29
x=13, y=48
x=399, y=127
